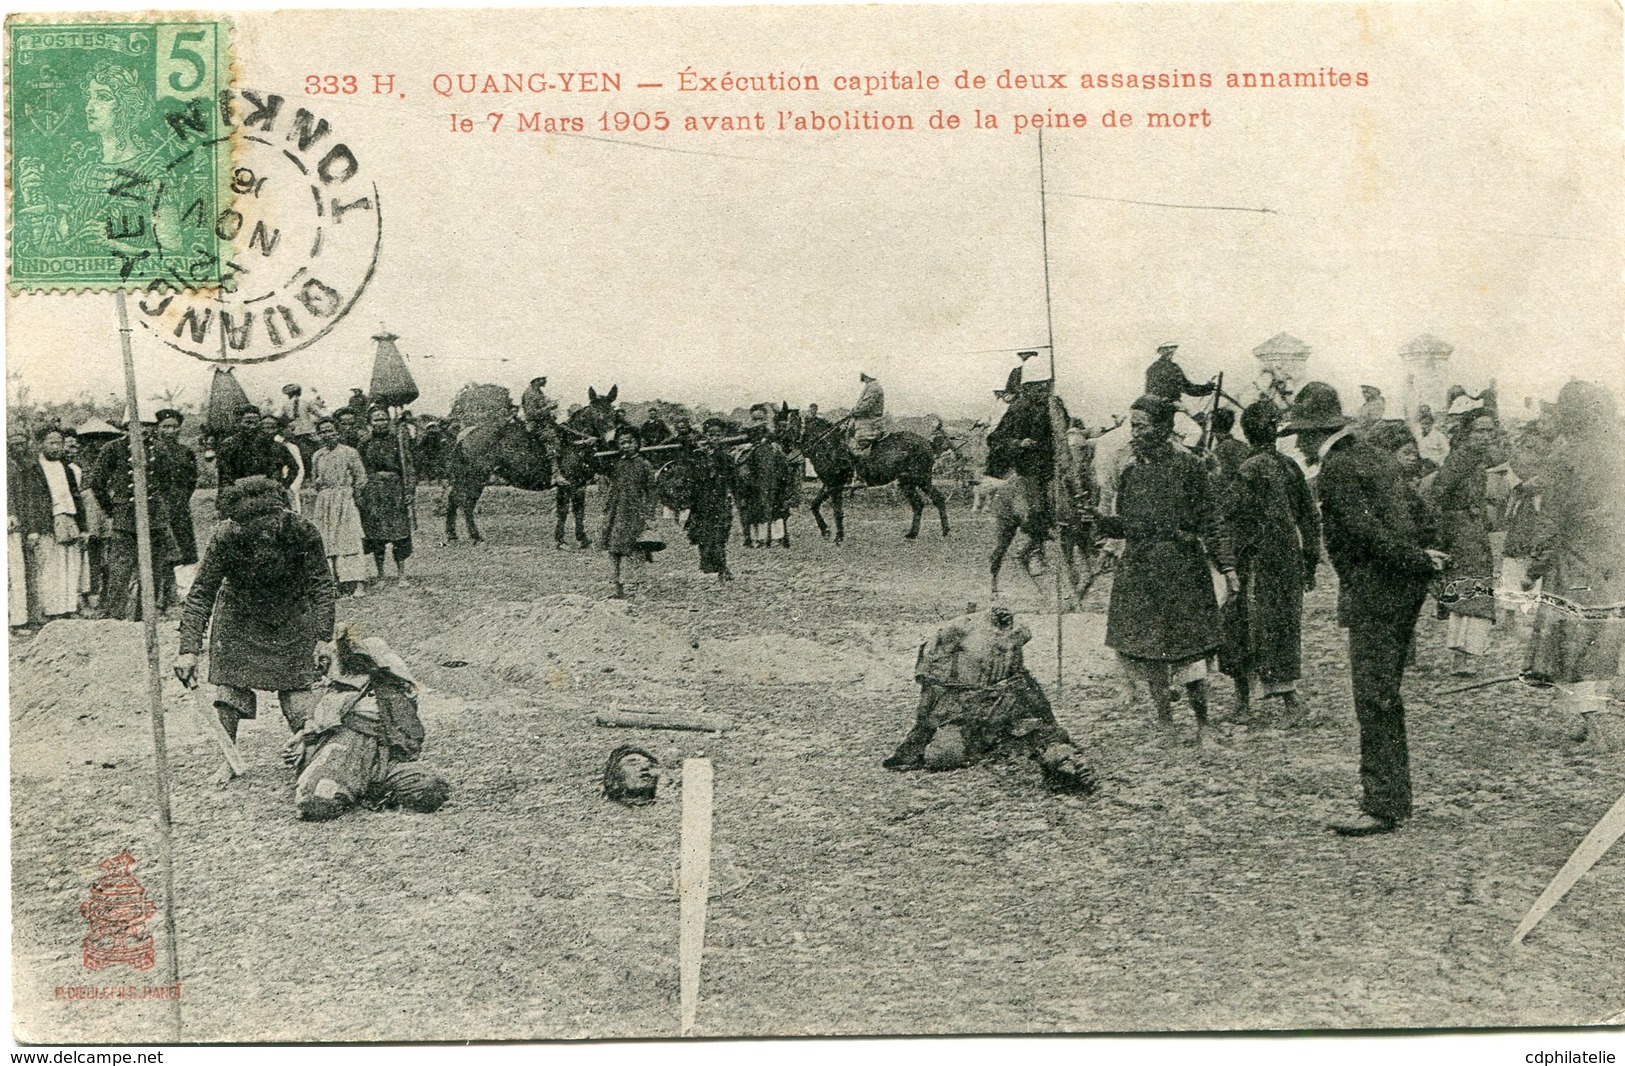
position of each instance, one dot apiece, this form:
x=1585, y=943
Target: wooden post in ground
x=155, y=678
x=693, y=884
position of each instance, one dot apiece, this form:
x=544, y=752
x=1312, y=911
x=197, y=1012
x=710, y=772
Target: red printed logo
x=118, y=910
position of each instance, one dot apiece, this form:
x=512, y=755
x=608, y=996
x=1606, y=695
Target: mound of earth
x=569, y=641
x=80, y=687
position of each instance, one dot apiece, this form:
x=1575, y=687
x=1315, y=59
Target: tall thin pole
x=1049, y=322
x=155, y=677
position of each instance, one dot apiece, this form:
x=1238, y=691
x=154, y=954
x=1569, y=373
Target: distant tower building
x=1425, y=378
x=1283, y=359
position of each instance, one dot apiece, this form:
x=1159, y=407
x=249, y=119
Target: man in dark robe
x=386, y=514
x=1229, y=451
x=113, y=484
x=1163, y=619
x=1460, y=496
x=629, y=505
x=710, y=517
x=265, y=583
x=1166, y=378
x=252, y=452
x=175, y=467
x=1275, y=532
x=1383, y=568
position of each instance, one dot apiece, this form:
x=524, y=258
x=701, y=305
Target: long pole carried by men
x=1049, y=322
x=155, y=677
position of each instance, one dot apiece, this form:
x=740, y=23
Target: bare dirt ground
x=1196, y=891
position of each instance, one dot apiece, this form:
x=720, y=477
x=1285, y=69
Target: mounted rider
x=539, y=413
x=868, y=416
x=1023, y=444
x=1166, y=378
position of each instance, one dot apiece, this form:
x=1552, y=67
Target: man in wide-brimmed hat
x=867, y=415
x=1383, y=568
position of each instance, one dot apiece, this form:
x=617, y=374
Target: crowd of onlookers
x=71, y=533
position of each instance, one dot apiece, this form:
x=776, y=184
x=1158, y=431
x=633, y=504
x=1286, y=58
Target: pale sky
x=1472, y=191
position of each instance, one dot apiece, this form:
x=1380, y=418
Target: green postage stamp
x=119, y=167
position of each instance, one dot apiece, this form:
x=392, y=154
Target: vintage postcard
x=807, y=521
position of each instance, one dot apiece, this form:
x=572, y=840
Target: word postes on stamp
x=118, y=171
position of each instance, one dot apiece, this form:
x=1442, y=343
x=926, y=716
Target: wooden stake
x=693, y=883
x=1599, y=840
x=155, y=677
x=620, y=718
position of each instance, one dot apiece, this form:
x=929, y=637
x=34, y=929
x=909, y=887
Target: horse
x=527, y=461
x=903, y=457
x=581, y=437
x=481, y=451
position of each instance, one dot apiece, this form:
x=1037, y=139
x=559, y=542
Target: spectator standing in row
x=386, y=516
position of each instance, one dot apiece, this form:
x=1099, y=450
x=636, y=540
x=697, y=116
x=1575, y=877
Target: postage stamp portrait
x=116, y=169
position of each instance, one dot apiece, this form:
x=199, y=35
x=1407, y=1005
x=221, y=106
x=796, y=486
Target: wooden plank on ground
x=1602, y=836
x=693, y=884
x=699, y=723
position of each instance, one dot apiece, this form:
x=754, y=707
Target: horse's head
x=596, y=419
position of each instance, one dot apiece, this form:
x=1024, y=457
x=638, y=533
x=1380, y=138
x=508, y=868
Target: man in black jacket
x=113, y=483
x=1383, y=568
x=252, y=452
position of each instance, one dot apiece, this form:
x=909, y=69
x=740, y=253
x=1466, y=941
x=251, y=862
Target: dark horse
x=905, y=458
x=524, y=459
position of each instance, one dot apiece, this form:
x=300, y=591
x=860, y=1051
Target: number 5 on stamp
x=186, y=61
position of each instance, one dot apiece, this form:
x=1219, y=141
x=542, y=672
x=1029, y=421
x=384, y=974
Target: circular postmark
x=297, y=245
